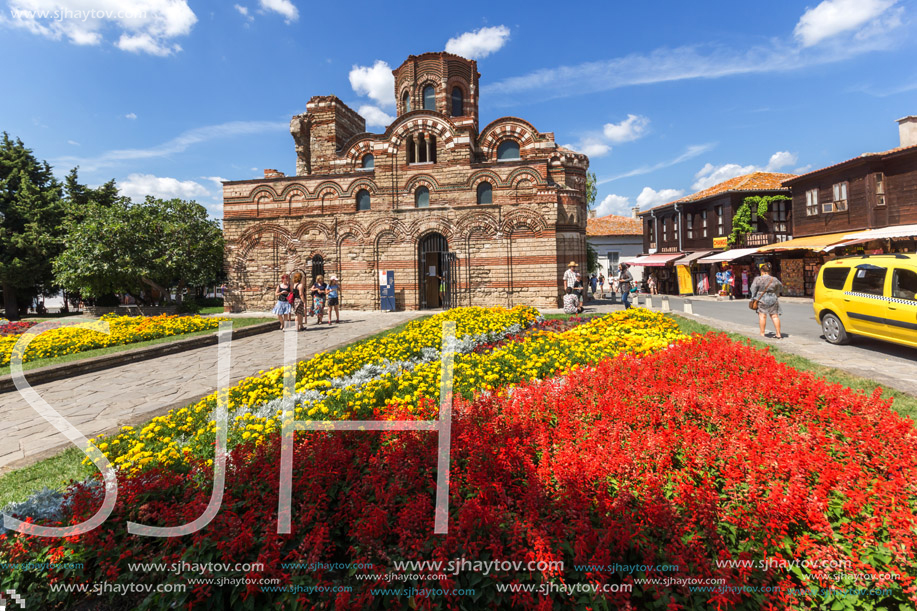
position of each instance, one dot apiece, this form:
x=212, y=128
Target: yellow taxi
x=868, y=295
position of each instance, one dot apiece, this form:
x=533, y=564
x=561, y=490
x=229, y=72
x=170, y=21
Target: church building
x=461, y=215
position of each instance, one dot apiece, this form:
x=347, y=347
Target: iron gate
x=437, y=273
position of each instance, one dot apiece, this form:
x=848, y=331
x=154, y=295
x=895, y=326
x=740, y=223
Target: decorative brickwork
x=512, y=250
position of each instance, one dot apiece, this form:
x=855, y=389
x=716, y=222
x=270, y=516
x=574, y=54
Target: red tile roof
x=756, y=181
x=613, y=224
x=897, y=149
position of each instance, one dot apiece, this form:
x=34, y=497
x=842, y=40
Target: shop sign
x=722, y=242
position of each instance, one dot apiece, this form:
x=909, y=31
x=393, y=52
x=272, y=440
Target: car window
x=869, y=279
x=835, y=277
x=904, y=284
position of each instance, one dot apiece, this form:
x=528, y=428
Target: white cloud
x=377, y=82
x=479, y=43
x=650, y=197
x=631, y=128
x=613, y=204
x=284, y=7
x=176, y=145
x=780, y=160
x=141, y=26
x=73, y=142
x=138, y=186
x=710, y=174
x=375, y=116
x=591, y=147
x=833, y=17
x=217, y=180
x=691, y=152
x=243, y=10
x=130, y=115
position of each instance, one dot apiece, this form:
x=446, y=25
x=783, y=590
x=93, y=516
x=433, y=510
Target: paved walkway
x=889, y=364
x=105, y=400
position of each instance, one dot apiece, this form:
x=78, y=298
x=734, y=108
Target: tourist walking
x=765, y=298
x=625, y=283
x=578, y=290
x=318, y=297
x=651, y=284
x=602, y=285
x=593, y=284
x=299, y=301
x=334, y=294
x=283, y=294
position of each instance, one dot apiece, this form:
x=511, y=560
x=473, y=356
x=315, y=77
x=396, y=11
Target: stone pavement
x=105, y=400
x=888, y=364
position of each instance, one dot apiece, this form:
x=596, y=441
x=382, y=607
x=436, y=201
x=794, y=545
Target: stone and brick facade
x=496, y=213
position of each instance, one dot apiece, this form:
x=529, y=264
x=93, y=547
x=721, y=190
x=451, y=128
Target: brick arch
x=426, y=225
x=532, y=220
x=505, y=128
x=477, y=222
x=462, y=83
x=388, y=225
x=427, y=123
x=361, y=183
x=351, y=228
x=477, y=177
x=426, y=180
x=520, y=174
x=325, y=186
x=311, y=225
x=357, y=150
x=250, y=237
x=261, y=190
x=285, y=194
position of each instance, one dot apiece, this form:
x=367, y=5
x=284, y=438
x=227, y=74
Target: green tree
x=117, y=246
x=742, y=223
x=31, y=224
x=592, y=189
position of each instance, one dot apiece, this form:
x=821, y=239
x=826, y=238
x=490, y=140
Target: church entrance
x=437, y=272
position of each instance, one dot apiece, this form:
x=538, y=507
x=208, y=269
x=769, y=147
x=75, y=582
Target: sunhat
x=572, y=264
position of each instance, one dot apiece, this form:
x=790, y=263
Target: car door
x=901, y=307
x=865, y=301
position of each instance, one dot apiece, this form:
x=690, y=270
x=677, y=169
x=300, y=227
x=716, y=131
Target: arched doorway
x=437, y=272
x=317, y=267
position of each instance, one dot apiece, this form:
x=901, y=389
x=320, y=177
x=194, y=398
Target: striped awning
x=694, y=256
x=657, y=260
x=728, y=255
x=883, y=233
x=810, y=242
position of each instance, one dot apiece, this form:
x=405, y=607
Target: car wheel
x=833, y=329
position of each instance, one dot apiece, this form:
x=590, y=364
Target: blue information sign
x=387, y=291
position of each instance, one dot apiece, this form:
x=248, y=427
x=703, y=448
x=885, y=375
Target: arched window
x=362, y=199
x=458, y=102
x=508, y=149
x=422, y=197
x=406, y=101
x=429, y=98
x=369, y=162
x=485, y=193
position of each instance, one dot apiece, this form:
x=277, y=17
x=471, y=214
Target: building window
x=429, y=98
x=369, y=162
x=840, y=198
x=362, y=199
x=689, y=228
x=422, y=197
x=406, y=101
x=720, y=221
x=651, y=231
x=675, y=227
x=614, y=257
x=665, y=230
x=508, y=149
x=485, y=193
x=421, y=149
x=811, y=202
x=458, y=102
x=703, y=222
x=880, y=188
x=781, y=215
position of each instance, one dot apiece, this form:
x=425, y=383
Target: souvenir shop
x=728, y=273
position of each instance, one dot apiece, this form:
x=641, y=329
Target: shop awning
x=812, y=242
x=728, y=255
x=883, y=233
x=694, y=256
x=657, y=260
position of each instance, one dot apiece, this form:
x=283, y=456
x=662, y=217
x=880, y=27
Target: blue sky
x=665, y=97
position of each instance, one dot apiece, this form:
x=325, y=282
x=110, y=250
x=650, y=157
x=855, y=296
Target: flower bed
x=8, y=328
x=122, y=330
x=255, y=407
x=658, y=459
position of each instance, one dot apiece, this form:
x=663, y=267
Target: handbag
x=753, y=304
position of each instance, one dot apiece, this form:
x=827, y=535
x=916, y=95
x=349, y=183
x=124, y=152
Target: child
x=334, y=291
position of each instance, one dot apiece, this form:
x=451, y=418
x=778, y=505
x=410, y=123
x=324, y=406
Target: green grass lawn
x=57, y=472
x=903, y=403
x=237, y=323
